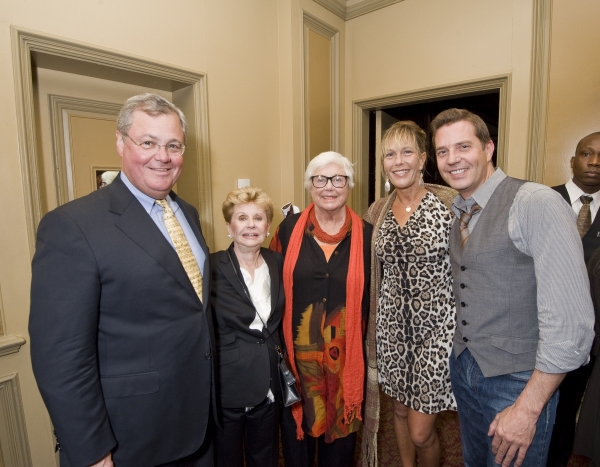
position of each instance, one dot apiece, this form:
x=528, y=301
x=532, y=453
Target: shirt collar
x=146, y=201
x=481, y=196
x=575, y=193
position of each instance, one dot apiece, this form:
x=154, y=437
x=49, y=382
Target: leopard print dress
x=416, y=315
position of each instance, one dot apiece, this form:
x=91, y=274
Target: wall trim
x=10, y=344
x=540, y=86
x=61, y=156
x=310, y=22
x=360, y=123
x=34, y=49
x=361, y=8
x=13, y=436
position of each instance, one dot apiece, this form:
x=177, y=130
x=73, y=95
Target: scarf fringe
x=369, y=448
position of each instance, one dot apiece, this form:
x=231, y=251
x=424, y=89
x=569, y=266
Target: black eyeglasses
x=151, y=147
x=338, y=181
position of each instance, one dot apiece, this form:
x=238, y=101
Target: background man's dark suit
x=246, y=360
x=590, y=241
x=573, y=386
x=120, y=341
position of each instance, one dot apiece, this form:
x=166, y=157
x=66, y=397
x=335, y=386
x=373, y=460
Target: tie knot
x=585, y=199
x=163, y=204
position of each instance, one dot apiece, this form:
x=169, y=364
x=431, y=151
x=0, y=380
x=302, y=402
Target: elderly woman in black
x=247, y=304
x=326, y=276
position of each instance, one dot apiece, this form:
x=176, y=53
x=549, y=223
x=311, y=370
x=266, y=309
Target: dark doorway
x=486, y=105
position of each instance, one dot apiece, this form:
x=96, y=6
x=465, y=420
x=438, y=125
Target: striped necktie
x=182, y=247
x=465, y=218
x=584, y=218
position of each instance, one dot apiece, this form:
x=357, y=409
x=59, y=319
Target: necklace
x=409, y=207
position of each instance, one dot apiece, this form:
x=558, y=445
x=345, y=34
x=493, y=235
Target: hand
x=513, y=430
x=106, y=461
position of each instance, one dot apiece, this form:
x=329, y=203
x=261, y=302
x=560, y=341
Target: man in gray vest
x=525, y=316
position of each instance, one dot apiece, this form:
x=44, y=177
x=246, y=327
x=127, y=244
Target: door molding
x=59, y=106
x=32, y=49
x=540, y=85
x=360, y=123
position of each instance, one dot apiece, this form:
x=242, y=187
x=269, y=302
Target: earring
x=268, y=233
x=387, y=186
x=229, y=235
x=421, y=182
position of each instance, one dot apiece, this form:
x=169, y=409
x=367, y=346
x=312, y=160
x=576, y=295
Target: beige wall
x=251, y=52
x=574, y=97
x=414, y=45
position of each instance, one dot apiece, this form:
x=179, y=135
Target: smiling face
x=330, y=198
x=462, y=160
x=586, y=164
x=152, y=174
x=402, y=164
x=249, y=225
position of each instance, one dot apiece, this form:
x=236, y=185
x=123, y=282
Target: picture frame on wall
x=103, y=176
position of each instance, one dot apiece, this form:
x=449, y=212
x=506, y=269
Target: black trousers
x=203, y=457
x=301, y=453
x=253, y=435
x=571, y=392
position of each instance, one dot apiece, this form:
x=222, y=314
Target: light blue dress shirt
x=156, y=214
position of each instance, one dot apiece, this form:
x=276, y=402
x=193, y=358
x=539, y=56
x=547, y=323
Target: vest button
x=462, y=268
x=463, y=304
x=462, y=286
x=464, y=322
x=465, y=339
x=207, y=356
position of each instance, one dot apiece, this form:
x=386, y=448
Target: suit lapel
x=227, y=268
x=137, y=225
x=274, y=275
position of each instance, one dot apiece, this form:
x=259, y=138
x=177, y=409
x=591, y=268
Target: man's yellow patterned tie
x=182, y=247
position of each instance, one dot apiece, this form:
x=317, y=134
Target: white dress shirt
x=575, y=194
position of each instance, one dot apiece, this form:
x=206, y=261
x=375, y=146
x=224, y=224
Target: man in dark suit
x=585, y=183
x=120, y=333
x=583, y=189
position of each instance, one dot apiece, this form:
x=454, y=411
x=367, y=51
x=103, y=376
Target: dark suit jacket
x=120, y=342
x=246, y=358
x=587, y=437
x=591, y=240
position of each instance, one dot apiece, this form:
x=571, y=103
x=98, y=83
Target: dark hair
x=450, y=116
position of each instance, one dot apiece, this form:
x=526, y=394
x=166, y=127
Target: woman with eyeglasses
x=412, y=317
x=326, y=252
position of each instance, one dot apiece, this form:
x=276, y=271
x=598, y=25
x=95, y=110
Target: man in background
x=120, y=333
x=582, y=192
x=524, y=312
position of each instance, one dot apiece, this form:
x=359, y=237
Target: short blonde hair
x=245, y=195
x=326, y=158
x=404, y=131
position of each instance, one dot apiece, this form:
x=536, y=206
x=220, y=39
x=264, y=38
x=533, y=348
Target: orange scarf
x=354, y=368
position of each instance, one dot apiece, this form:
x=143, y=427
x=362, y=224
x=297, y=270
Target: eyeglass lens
x=338, y=181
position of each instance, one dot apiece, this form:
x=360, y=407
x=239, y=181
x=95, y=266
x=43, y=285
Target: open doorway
x=486, y=105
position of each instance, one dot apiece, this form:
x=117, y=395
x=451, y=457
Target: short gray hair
x=326, y=158
x=151, y=104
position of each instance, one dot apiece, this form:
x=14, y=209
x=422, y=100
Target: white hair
x=326, y=158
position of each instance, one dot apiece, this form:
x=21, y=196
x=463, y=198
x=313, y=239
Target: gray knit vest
x=495, y=291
